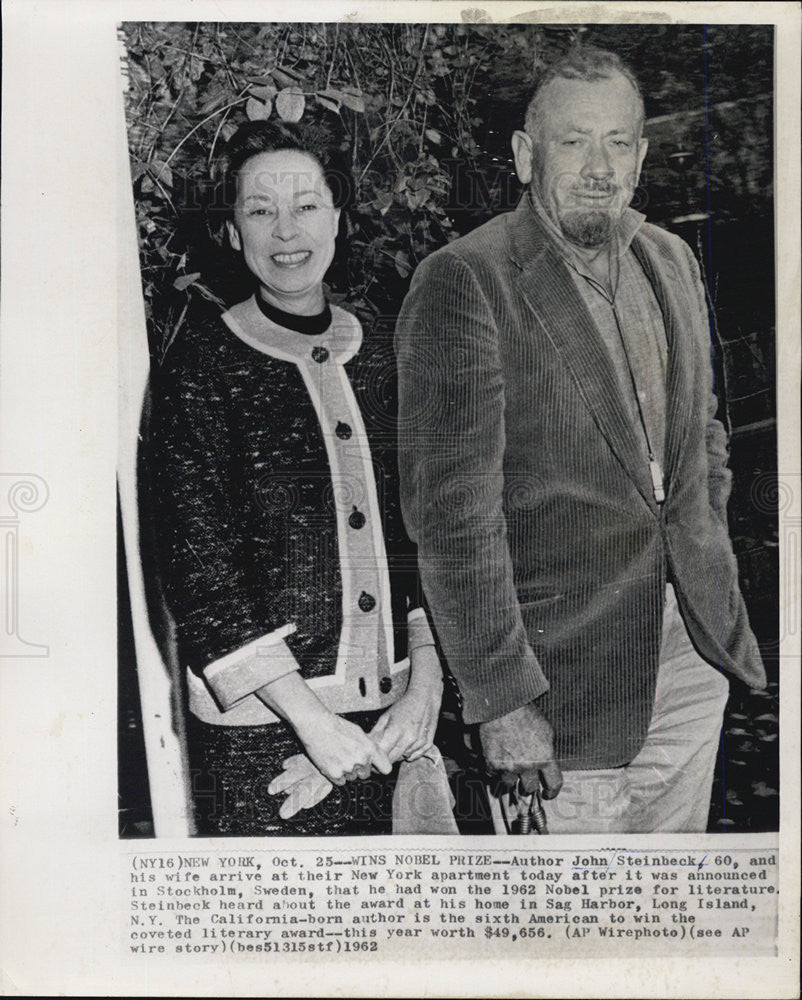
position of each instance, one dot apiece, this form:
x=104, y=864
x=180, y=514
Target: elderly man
x=565, y=477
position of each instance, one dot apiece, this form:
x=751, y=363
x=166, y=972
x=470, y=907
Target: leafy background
x=428, y=111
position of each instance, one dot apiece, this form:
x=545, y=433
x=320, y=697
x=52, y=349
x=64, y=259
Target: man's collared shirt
x=630, y=323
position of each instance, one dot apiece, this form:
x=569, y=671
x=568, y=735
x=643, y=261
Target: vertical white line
x=11, y=582
x=167, y=767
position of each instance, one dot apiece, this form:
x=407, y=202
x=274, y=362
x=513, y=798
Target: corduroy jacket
x=543, y=552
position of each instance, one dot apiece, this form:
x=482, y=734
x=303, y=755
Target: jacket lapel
x=664, y=279
x=549, y=290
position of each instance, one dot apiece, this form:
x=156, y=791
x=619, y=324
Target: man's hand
x=521, y=743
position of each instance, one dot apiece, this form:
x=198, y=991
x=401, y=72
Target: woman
x=311, y=668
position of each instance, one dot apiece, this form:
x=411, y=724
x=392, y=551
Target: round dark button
x=343, y=431
x=357, y=519
x=320, y=354
x=385, y=685
x=366, y=602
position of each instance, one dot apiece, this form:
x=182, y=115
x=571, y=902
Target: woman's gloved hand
x=302, y=784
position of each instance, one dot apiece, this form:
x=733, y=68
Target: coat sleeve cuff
x=419, y=632
x=513, y=685
x=241, y=673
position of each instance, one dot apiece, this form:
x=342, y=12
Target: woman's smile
x=283, y=201
x=291, y=259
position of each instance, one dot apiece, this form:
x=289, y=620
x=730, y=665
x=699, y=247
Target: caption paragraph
x=497, y=903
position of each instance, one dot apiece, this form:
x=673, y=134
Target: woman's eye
x=571, y=142
x=307, y=208
x=260, y=211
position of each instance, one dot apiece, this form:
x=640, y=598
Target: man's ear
x=233, y=235
x=643, y=146
x=522, y=152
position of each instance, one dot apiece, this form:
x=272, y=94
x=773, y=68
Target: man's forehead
x=563, y=95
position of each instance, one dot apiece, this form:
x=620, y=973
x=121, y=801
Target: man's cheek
x=564, y=182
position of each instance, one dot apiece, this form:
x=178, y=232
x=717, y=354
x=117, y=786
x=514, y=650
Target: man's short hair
x=582, y=62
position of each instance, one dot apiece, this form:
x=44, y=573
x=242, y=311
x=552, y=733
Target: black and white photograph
x=456, y=484
x=401, y=499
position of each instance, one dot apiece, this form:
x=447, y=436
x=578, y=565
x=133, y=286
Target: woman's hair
x=319, y=134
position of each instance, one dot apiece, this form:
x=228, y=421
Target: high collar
x=342, y=339
x=309, y=326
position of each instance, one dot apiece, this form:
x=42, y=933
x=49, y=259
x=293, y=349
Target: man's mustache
x=600, y=187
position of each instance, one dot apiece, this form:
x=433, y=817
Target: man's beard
x=588, y=229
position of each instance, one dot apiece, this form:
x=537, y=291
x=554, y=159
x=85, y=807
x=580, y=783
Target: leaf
x=160, y=172
x=264, y=93
x=209, y=294
x=384, y=201
x=197, y=64
x=290, y=104
x=737, y=732
x=138, y=75
x=433, y=135
x=766, y=718
x=258, y=111
x=402, y=264
x=328, y=102
x=212, y=103
x=764, y=791
x=185, y=280
x=137, y=169
x=353, y=99
x=285, y=78
x=417, y=199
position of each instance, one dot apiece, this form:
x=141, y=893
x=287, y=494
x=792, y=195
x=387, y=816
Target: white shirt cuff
x=241, y=673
